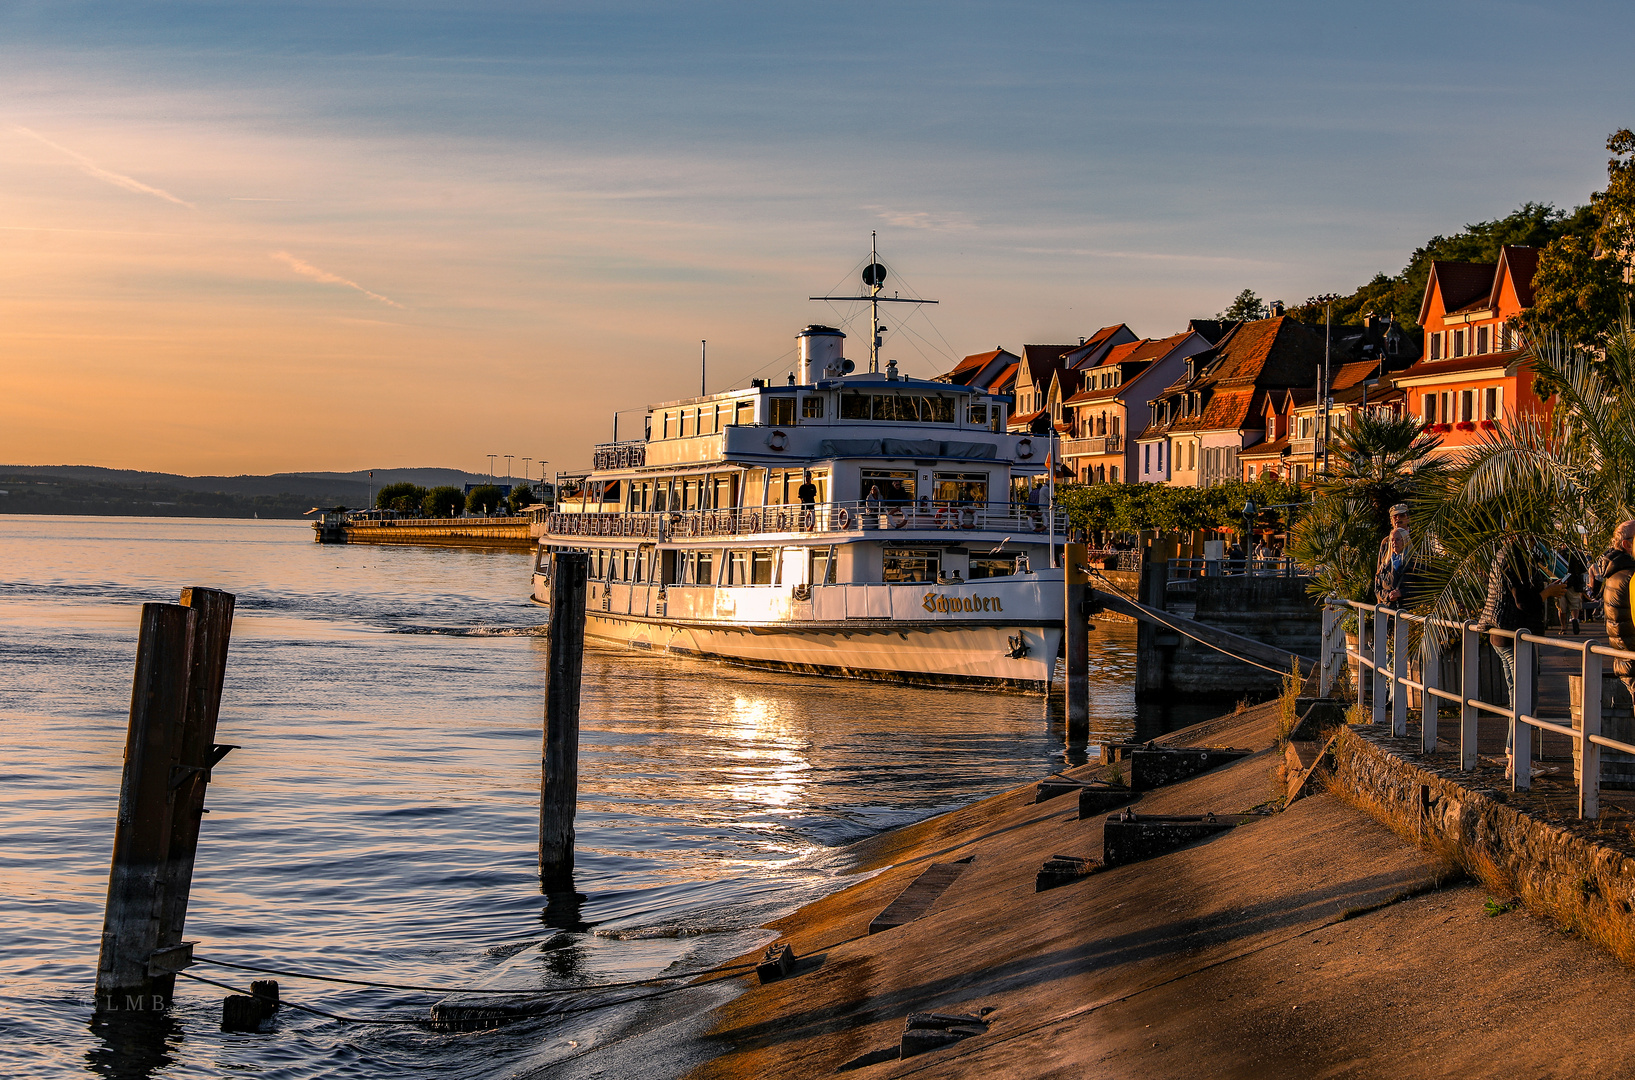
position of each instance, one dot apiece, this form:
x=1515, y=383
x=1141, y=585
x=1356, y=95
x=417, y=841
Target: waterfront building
x=1473, y=371
x=1216, y=409
x=1044, y=367
x=1113, y=403
x=993, y=372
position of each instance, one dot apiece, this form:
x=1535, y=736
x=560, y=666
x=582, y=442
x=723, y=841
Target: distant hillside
x=89, y=489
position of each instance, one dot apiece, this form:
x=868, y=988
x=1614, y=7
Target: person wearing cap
x=1399, y=520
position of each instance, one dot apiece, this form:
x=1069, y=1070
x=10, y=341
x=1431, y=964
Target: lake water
x=380, y=821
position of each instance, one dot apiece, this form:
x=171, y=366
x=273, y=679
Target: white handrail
x=1389, y=666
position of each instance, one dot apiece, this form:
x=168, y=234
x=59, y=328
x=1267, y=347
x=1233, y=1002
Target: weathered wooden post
x=1076, y=627
x=127, y=979
x=197, y=753
x=559, y=773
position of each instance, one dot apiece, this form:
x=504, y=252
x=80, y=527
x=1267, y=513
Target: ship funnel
x=822, y=350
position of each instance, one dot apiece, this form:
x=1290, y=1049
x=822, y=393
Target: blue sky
x=393, y=234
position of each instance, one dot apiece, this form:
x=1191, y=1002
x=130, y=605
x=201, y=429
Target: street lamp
x=1250, y=513
x=491, y=458
x=525, y=470
x=508, y=466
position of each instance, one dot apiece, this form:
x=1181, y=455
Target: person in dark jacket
x=1613, y=572
x=1515, y=601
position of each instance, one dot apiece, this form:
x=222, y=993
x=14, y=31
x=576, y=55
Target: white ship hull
x=999, y=635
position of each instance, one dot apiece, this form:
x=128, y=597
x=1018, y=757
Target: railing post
x=1589, y=757
x=1470, y=677
x=1521, y=704
x=1399, y=672
x=1430, y=673
x=1381, y=642
x=1331, y=623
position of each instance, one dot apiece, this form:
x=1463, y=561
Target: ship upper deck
x=923, y=521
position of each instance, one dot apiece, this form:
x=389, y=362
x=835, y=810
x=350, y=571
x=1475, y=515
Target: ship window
x=961, y=487
x=986, y=566
x=896, y=485
x=629, y=559
x=822, y=569
x=910, y=564
x=704, y=568
x=781, y=410
x=901, y=408
x=811, y=407
x=644, y=564
x=737, y=568
x=977, y=415
x=610, y=492
x=760, y=567
x=743, y=412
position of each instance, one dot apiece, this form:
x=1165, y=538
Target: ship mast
x=874, y=276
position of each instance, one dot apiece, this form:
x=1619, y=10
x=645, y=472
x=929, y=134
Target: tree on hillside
x=484, y=499
x=404, y=497
x=443, y=502
x=1581, y=287
x=1246, y=306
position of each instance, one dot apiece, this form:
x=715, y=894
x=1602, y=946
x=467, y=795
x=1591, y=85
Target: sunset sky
x=256, y=238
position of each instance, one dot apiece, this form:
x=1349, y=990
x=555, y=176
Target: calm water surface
x=380, y=820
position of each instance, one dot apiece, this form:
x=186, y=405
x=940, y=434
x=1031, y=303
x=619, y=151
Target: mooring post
x=1076, y=625
x=559, y=773
x=197, y=753
x=126, y=977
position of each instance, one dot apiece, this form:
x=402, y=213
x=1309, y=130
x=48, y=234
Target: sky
x=251, y=238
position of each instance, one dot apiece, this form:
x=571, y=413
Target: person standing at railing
x=1399, y=520
x=807, y=494
x=1391, y=582
x=1613, y=573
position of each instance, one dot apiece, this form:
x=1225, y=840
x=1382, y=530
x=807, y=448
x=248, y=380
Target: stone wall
x=1274, y=611
x=1586, y=886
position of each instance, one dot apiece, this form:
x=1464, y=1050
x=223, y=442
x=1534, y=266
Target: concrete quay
x=1311, y=941
x=511, y=532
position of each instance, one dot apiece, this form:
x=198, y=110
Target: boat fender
x=1024, y=448
x=778, y=441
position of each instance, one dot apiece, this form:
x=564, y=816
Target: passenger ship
x=864, y=525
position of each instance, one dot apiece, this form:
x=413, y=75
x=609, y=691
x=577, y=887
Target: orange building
x=1472, y=372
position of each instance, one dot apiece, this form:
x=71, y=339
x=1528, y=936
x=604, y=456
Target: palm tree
x=1377, y=460
x=1534, y=480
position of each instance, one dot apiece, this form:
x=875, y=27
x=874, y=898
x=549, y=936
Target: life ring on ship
x=843, y=518
x=778, y=441
x=895, y=518
x=967, y=518
x=1024, y=448
x=944, y=518
x=629, y=527
x=752, y=522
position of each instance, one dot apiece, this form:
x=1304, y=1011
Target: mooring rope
x=1181, y=630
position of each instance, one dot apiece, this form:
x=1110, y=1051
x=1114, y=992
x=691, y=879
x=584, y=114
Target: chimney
x=1277, y=309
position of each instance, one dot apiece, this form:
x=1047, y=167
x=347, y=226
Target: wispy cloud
x=921, y=219
x=1159, y=256
x=91, y=168
x=307, y=270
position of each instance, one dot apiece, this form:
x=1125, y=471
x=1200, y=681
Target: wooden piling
x=1076, y=624
x=197, y=753
x=559, y=773
x=126, y=981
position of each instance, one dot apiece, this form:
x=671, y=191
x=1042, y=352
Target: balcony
x=1101, y=444
x=793, y=519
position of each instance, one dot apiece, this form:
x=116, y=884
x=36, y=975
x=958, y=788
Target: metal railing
x=1119, y=560
x=795, y=518
x=1383, y=647
x=1094, y=444
x=1279, y=566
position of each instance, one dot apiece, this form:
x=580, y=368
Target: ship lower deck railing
x=795, y=518
x=1414, y=654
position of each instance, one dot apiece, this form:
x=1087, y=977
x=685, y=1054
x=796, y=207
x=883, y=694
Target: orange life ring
x=778, y=441
x=895, y=518
x=1024, y=448
x=843, y=518
x=752, y=522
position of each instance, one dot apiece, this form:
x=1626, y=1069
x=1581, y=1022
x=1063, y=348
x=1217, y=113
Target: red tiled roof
x=973, y=363
x=1522, y=263
x=1003, y=377
x=1353, y=373
x=1118, y=354
x=1460, y=365
x=1265, y=449
x=1460, y=284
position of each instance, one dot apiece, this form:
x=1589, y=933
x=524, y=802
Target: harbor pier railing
x=1393, y=646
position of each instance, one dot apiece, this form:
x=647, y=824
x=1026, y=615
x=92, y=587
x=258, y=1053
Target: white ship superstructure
x=864, y=525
